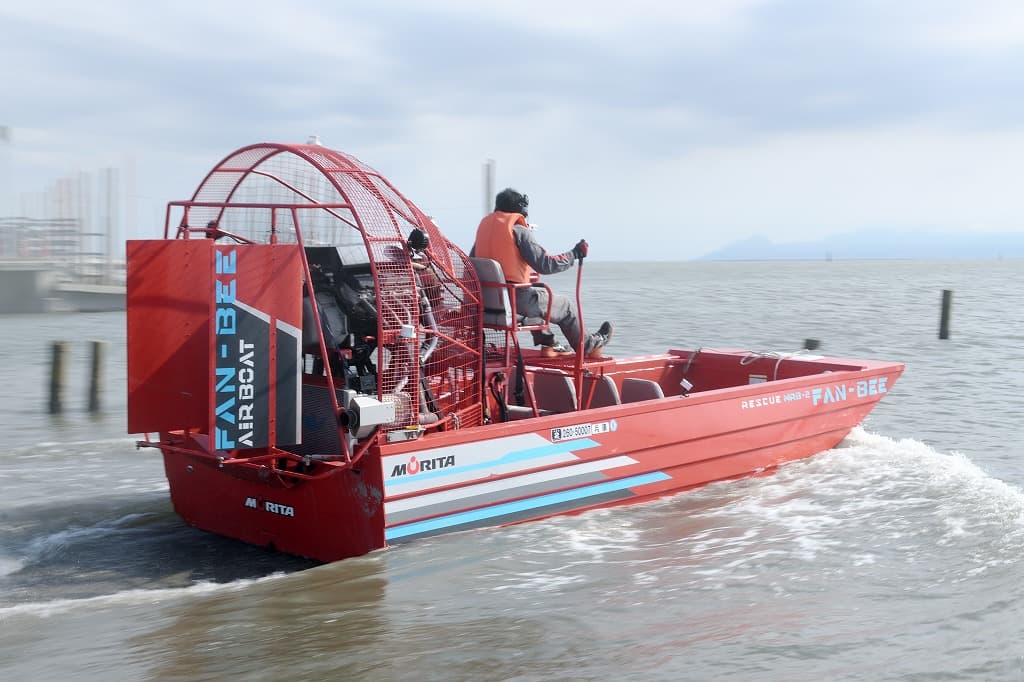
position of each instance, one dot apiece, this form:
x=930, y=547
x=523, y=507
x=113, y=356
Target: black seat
x=500, y=300
x=634, y=390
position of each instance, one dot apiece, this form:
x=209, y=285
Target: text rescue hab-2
x=822, y=396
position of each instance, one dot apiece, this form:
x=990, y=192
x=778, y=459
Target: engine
x=347, y=303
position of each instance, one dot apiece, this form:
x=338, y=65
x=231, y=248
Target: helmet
x=418, y=240
x=511, y=201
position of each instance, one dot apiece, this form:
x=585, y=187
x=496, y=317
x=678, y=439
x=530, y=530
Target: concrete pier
x=35, y=287
x=27, y=288
x=91, y=298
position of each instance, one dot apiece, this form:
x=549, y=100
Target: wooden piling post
x=96, y=375
x=57, y=356
x=947, y=302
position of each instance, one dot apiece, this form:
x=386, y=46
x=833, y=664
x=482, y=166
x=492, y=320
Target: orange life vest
x=495, y=239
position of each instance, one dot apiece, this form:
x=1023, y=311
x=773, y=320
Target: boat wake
x=130, y=597
x=60, y=542
x=89, y=548
x=122, y=442
x=873, y=478
x=10, y=565
x=874, y=497
x=871, y=500
x=910, y=476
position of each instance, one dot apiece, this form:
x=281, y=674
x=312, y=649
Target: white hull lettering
x=272, y=507
x=763, y=401
x=415, y=466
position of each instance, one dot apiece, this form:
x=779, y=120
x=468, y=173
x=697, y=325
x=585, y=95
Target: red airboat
x=327, y=373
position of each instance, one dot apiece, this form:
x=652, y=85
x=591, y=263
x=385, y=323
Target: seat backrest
x=333, y=323
x=603, y=393
x=634, y=390
x=554, y=392
x=497, y=309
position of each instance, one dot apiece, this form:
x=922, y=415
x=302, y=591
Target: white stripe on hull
x=506, y=484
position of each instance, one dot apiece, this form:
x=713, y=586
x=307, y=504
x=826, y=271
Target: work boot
x=544, y=337
x=599, y=340
x=554, y=351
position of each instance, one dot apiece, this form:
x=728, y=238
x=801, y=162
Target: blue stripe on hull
x=510, y=508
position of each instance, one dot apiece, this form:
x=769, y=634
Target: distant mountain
x=879, y=244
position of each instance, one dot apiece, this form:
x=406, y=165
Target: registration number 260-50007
x=581, y=430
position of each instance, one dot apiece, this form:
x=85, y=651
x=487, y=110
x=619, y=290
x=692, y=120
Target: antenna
x=488, y=186
x=5, y=172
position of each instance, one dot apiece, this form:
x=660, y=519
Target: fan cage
x=315, y=196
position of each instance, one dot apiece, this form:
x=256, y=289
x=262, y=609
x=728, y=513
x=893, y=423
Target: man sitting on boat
x=505, y=236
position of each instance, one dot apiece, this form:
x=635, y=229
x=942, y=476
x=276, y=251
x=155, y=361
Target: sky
x=655, y=130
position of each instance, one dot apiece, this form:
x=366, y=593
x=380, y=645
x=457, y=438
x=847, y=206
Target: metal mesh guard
x=313, y=195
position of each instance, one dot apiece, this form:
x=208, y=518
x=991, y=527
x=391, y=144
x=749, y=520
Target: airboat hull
x=544, y=466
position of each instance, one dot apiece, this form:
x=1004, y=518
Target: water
x=895, y=556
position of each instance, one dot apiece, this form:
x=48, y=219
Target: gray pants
x=533, y=302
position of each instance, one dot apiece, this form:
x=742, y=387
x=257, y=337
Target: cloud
x=994, y=26
x=710, y=120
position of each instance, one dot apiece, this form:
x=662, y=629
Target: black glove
x=581, y=249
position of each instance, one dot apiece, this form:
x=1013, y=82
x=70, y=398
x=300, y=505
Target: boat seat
x=554, y=392
x=634, y=390
x=500, y=301
x=333, y=323
x=604, y=391
x=517, y=412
